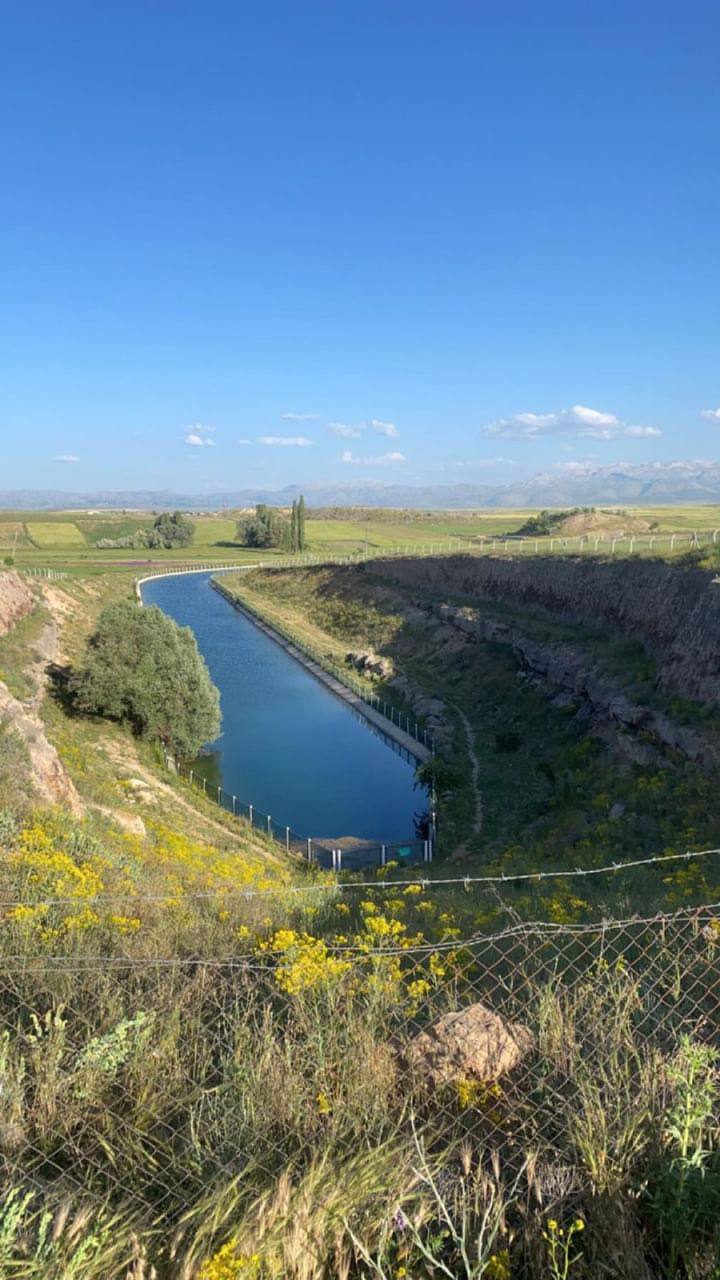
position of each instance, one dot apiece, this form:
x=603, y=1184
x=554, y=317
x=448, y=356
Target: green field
x=12, y=534
x=68, y=539
x=52, y=534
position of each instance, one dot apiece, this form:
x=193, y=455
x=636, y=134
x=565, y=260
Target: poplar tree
x=301, y=539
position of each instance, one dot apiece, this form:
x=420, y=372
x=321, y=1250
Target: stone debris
x=473, y=1043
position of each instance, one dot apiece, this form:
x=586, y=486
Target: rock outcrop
x=431, y=711
x=674, y=612
x=370, y=664
x=473, y=1043
x=47, y=776
x=16, y=601
x=572, y=680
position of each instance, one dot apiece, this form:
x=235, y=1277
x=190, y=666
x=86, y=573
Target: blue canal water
x=288, y=745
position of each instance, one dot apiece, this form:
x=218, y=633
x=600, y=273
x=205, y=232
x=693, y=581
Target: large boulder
x=473, y=1043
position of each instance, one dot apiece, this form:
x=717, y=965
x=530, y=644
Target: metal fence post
x=287, y=837
x=309, y=849
x=383, y=855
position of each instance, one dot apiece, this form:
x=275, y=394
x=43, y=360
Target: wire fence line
x=39, y=572
x=103, y=1099
x=485, y=544
x=524, y=545
x=386, y=884
x=325, y=853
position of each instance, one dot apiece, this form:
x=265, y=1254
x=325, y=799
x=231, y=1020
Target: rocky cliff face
x=642, y=733
x=16, y=601
x=674, y=613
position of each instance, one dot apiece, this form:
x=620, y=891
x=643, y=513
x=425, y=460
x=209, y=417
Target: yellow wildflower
x=498, y=1267
x=305, y=964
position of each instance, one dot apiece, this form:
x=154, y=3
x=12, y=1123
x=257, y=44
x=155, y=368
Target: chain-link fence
x=323, y=1040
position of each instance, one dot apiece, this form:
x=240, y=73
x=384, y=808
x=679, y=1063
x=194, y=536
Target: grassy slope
x=176, y=1110
x=547, y=788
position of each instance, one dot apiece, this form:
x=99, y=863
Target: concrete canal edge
x=410, y=745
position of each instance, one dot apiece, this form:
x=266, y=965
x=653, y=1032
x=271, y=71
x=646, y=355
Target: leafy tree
x=294, y=527
x=167, y=531
x=267, y=528
x=171, y=531
x=301, y=536
x=140, y=667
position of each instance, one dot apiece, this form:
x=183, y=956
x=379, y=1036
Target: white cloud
x=287, y=442
x=352, y=431
x=712, y=415
x=377, y=460
x=242, y=440
x=67, y=457
x=384, y=428
x=300, y=417
x=344, y=430
x=198, y=436
x=580, y=420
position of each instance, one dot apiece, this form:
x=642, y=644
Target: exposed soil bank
x=16, y=601
x=674, y=612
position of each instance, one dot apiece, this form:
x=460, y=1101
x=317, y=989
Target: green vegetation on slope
x=548, y=789
x=140, y=667
x=208, y=1075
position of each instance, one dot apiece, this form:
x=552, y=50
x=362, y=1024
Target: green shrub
x=142, y=668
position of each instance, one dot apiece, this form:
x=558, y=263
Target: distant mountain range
x=653, y=483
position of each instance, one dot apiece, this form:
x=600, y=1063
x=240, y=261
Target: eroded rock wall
x=16, y=601
x=673, y=612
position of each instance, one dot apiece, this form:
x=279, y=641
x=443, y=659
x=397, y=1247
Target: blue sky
x=454, y=241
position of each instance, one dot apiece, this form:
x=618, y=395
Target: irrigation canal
x=288, y=744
